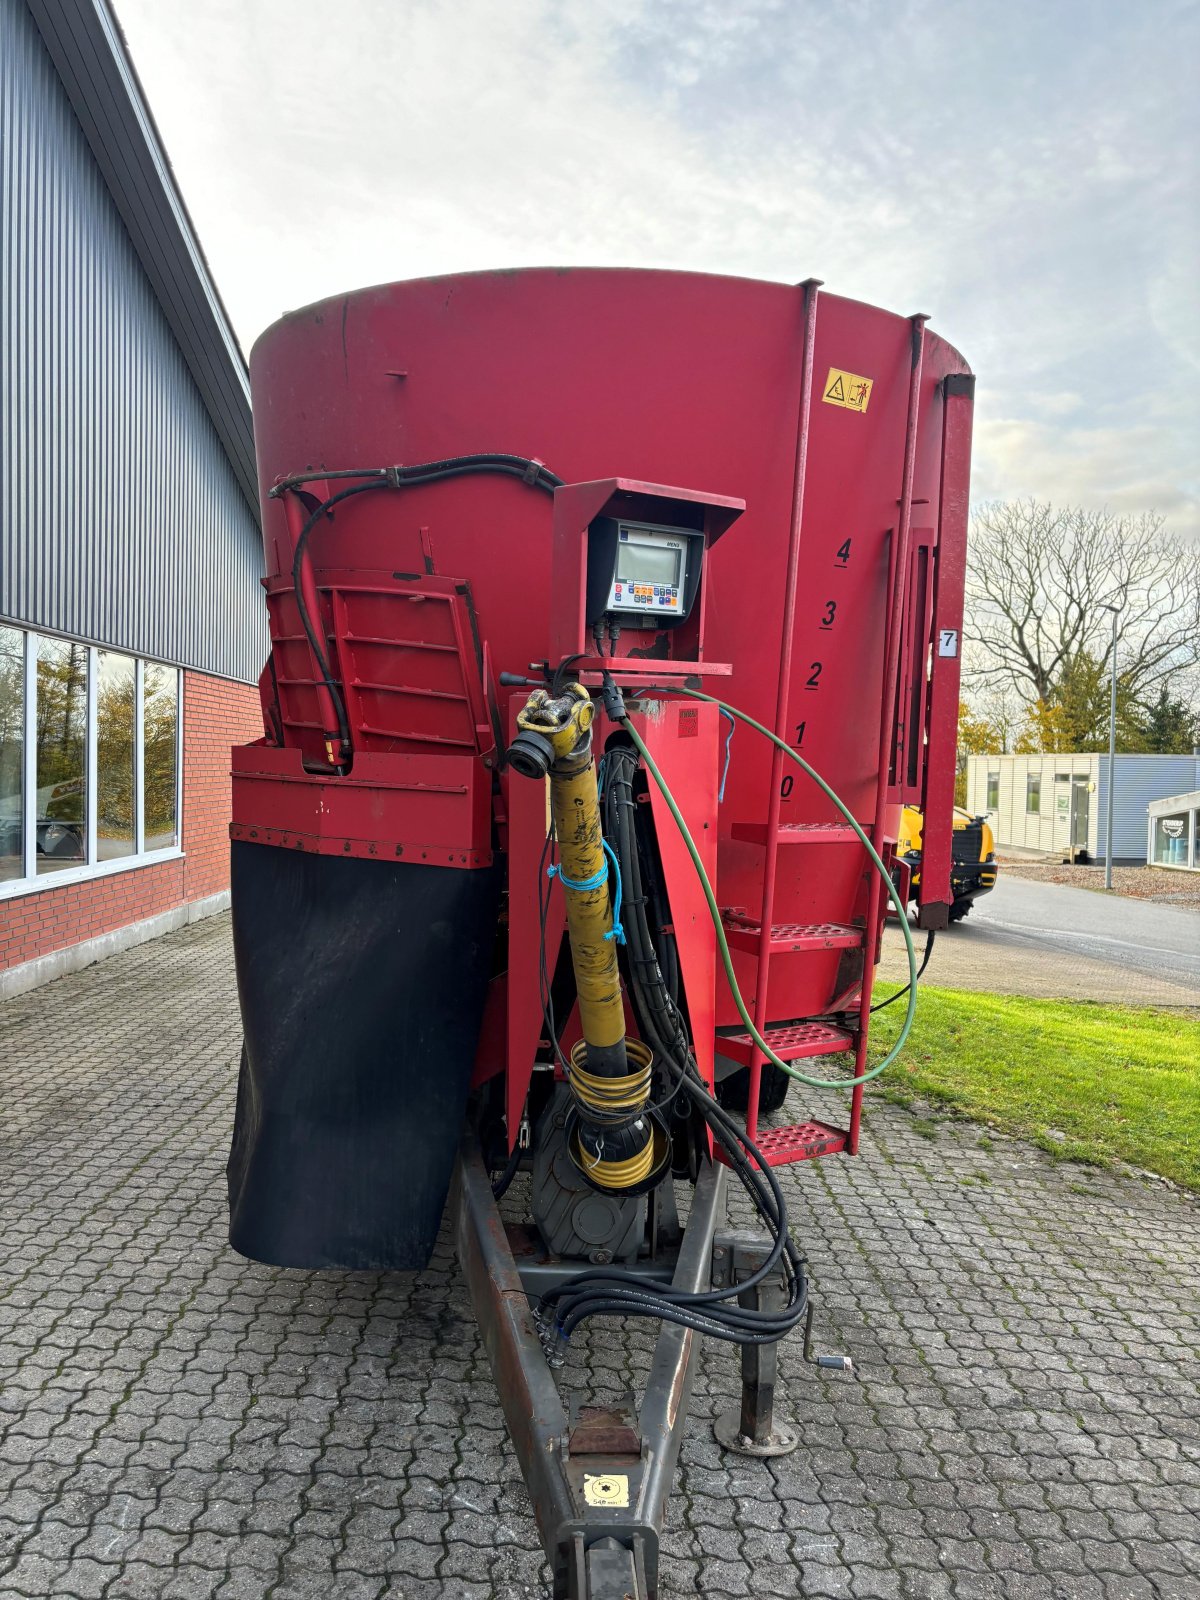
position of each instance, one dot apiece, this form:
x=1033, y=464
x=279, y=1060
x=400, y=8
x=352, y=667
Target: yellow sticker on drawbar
x=847, y=389
x=605, y=1489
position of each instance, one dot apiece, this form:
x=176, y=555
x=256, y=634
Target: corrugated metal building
x=1051, y=803
x=132, y=627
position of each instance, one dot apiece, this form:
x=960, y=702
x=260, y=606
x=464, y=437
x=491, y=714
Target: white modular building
x=1058, y=803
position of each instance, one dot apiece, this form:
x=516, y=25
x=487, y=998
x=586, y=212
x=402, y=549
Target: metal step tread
x=797, y=833
x=801, y=1141
x=790, y=1043
x=786, y=937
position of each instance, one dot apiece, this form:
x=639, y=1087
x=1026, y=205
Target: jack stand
x=750, y=1429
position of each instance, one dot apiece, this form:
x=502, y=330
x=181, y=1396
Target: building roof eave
x=87, y=48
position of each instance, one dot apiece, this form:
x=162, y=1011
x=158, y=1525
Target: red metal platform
x=792, y=1043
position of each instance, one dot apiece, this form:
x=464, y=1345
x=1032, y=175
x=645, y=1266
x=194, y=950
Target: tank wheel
x=959, y=910
x=733, y=1092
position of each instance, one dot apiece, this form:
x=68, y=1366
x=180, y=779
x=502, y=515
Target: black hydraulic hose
x=480, y=461
x=513, y=1165
x=318, y=644
x=534, y=473
x=920, y=972
x=612, y=1291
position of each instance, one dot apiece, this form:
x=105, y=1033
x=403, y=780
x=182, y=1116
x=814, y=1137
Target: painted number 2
x=813, y=675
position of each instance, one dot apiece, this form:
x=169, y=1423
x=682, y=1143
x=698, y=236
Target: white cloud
x=1025, y=173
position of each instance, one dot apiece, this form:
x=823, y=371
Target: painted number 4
x=947, y=641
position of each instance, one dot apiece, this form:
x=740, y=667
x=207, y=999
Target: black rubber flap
x=362, y=986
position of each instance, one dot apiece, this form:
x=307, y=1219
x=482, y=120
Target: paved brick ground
x=178, y=1422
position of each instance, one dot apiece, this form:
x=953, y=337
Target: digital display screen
x=648, y=563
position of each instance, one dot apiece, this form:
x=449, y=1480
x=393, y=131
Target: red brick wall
x=216, y=715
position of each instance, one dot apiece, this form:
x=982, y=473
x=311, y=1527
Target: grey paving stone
x=178, y=1423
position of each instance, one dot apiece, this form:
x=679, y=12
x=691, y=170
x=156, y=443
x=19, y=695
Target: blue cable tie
x=728, y=753
x=618, y=932
x=599, y=877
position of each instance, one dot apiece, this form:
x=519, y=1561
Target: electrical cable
x=613, y=1291
x=920, y=973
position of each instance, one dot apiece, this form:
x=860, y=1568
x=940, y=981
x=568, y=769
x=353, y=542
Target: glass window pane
x=61, y=783
x=993, y=791
x=116, y=711
x=12, y=753
x=1170, y=841
x=160, y=713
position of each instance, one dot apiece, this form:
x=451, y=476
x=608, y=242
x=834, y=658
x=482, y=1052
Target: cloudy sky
x=1026, y=171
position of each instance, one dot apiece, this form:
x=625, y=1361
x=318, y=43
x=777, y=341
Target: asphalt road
x=1051, y=940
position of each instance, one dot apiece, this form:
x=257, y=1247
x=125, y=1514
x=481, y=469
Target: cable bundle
x=612, y=1291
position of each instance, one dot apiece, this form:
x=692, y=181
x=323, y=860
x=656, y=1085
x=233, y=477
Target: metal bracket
x=599, y=1487
x=750, y=1429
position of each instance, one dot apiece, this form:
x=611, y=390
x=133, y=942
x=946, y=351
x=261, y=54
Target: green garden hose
x=715, y=912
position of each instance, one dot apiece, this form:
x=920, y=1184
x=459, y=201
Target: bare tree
x=1038, y=579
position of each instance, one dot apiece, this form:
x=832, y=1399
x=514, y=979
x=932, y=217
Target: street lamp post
x=1112, y=755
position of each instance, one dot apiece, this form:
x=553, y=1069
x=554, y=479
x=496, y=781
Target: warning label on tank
x=847, y=389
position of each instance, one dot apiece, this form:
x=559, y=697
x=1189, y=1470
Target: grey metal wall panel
x=1140, y=779
x=85, y=44
x=121, y=518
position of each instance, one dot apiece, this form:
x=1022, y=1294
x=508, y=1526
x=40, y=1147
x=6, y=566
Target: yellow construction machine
x=973, y=857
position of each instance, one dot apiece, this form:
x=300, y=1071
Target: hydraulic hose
x=531, y=472
x=714, y=910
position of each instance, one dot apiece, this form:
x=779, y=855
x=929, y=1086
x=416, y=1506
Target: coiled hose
x=714, y=910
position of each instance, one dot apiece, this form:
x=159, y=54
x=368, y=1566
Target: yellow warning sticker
x=847, y=389
x=605, y=1489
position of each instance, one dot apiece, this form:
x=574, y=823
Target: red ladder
x=765, y=937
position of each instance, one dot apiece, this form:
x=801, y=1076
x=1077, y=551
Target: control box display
x=638, y=570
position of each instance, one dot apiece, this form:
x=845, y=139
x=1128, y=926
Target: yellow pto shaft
x=614, y=1143
x=563, y=724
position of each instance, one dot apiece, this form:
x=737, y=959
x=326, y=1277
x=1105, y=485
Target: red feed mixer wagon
x=614, y=616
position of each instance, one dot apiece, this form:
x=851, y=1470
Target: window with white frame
x=90, y=760
x=1169, y=845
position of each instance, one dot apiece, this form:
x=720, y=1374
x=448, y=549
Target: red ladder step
x=786, y=937
x=803, y=1141
x=797, y=833
x=790, y=1043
